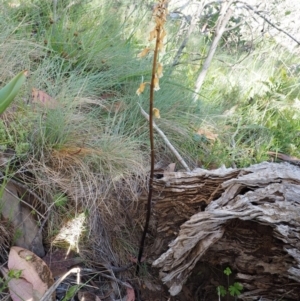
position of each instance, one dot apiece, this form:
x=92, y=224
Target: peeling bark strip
x=254, y=227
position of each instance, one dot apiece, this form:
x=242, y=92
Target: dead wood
x=251, y=223
x=178, y=196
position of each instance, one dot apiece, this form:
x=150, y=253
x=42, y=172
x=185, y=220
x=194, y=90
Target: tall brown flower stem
x=157, y=34
x=152, y=152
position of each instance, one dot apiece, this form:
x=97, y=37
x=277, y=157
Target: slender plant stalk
x=157, y=34
x=152, y=154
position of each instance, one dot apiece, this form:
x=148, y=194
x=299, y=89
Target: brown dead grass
x=109, y=200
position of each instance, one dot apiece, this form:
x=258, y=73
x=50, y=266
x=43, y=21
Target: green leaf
x=70, y=292
x=235, y=289
x=227, y=271
x=221, y=290
x=9, y=92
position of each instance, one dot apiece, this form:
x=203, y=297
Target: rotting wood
x=178, y=196
x=251, y=222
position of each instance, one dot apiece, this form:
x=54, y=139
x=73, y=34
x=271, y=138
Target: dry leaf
x=160, y=70
x=43, y=99
x=153, y=34
x=141, y=88
x=159, y=22
x=130, y=293
x=160, y=46
x=144, y=52
x=34, y=270
x=21, y=290
x=156, y=83
x=163, y=35
x=208, y=134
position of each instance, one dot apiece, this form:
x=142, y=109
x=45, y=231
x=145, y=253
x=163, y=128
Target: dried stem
x=150, y=189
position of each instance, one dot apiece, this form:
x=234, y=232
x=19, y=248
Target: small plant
x=234, y=290
x=12, y=274
x=60, y=200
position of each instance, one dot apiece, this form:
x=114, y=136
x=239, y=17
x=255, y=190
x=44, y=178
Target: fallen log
x=248, y=219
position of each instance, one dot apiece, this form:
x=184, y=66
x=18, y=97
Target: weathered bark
x=251, y=223
x=179, y=195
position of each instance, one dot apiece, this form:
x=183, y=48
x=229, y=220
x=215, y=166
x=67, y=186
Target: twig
x=284, y=157
x=161, y=134
x=122, y=268
x=107, y=276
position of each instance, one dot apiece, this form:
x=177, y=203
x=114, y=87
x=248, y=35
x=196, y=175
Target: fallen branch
x=162, y=135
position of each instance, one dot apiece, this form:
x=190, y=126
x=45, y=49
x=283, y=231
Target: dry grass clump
x=98, y=173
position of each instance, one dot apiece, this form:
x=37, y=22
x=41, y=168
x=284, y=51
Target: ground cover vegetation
x=75, y=134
